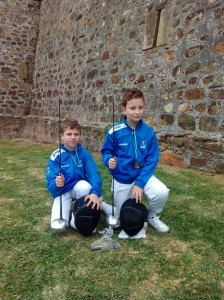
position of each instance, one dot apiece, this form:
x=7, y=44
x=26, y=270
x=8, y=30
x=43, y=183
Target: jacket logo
x=143, y=145
x=124, y=144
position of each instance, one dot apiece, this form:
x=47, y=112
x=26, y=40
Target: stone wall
x=88, y=51
x=19, y=23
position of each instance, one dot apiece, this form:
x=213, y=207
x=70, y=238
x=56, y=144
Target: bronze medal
x=136, y=165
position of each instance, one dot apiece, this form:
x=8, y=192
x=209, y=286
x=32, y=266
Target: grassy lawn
x=186, y=263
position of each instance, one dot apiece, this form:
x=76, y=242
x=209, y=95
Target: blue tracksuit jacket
x=87, y=171
x=124, y=150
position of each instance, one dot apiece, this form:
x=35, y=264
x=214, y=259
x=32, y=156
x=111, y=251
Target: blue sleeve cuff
x=140, y=183
x=97, y=192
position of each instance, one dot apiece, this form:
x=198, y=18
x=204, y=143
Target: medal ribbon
x=76, y=162
x=77, y=158
x=135, y=145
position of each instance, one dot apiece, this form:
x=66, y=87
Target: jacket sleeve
x=150, y=163
x=53, y=170
x=93, y=174
x=107, y=149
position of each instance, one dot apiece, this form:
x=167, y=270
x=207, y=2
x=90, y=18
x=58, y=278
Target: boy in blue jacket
x=80, y=176
x=136, y=154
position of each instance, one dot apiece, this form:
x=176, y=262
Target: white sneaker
x=157, y=224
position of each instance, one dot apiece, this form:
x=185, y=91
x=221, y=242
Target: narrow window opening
x=157, y=29
x=27, y=72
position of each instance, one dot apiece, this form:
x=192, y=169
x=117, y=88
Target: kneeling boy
x=79, y=174
x=136, y=154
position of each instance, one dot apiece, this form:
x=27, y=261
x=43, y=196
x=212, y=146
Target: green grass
x=186, y=263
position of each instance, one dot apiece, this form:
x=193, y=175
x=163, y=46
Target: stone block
x=201, y=107
x=51, y=55
x=207, y=124
x=193, y=68
x=176, y=71
x=214, y=108
x=193, y=80
x=208, y=79
x=167, y=95
x=177, y=141
x=186, y=122
x=186, y=7
x=209, y=2
x=168, y=108
x=6, y=70
x=4, y=83
x=92, y=74
x=169, y=55
x=218, y=48
x=151, y=29
x=213, y=146
x=194, y=94
x=209, y=67
x=195, y=17
x=217, y=94
x=129, y=66
x=191, y=52
x=164, y=27
x=116, y=79
x=178, y=35
x=170, y=158
x=150, y=120
x=198, y=162
x=105, y=55
x=132, y=77
x=180, y=95
x=219, y=13
x=166, y=120
x=220, y=167
x=190, y=144
x=183, y=107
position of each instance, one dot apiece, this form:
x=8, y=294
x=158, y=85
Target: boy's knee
x=163, y=193
x=81, y=189
x=159, y=193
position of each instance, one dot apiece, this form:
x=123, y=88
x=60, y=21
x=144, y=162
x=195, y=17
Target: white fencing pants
x=154, y=190
x=82, y=188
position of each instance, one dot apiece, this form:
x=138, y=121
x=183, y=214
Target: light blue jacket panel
x=72, y=170
x=124, y=150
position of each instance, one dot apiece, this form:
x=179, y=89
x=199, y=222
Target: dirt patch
x=45, y=223
x=170, y=169
x=174, y=248
x=218, y=178
x=38, y=173
x=7, y=200
x=6, y=177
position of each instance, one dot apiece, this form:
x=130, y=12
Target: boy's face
x=70, y=138
x=134, y=111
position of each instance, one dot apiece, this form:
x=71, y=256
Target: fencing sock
x=151, y=214
x=72, y=222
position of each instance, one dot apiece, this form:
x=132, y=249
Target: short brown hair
x=69, y=124
x=130, y=94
